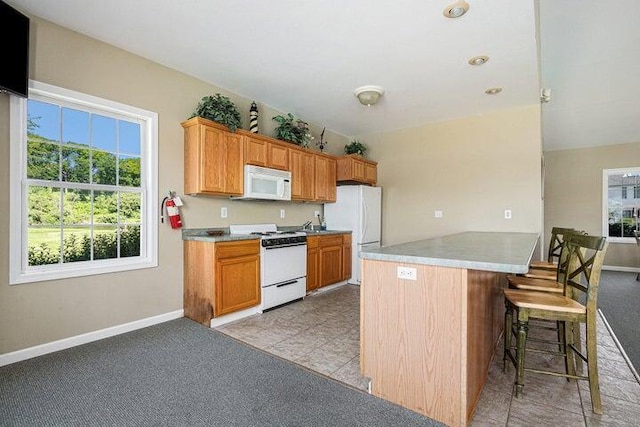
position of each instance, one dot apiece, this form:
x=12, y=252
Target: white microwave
x=266, y=184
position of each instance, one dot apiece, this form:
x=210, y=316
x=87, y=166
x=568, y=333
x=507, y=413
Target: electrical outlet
x=437, y=214
x=507, y=214
x=223, y=212
x=316, y=214
x=281, y=213
x=407, y=273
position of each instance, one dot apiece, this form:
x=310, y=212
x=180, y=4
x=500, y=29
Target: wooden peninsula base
x=427, y=344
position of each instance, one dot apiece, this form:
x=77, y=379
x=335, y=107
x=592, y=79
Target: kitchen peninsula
x=431, y=313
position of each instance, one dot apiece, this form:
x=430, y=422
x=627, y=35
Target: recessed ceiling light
x=478, y=60
x=456, y=10
x=493, y=91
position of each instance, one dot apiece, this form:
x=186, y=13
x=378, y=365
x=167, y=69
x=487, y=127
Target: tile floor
x=321, y=333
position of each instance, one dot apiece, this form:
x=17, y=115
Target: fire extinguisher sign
x=171, y=205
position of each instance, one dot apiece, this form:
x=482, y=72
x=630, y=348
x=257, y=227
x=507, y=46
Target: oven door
x=281, y=264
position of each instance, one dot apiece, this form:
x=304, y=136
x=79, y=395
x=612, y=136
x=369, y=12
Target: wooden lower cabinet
x=220, y=278
x=328, y=260
x=313, y=272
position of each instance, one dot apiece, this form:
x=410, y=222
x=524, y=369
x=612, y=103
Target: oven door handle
x=285, y=246
x=290, y=282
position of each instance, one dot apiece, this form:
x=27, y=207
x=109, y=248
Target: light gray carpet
x=619, y=301
x=180, y=373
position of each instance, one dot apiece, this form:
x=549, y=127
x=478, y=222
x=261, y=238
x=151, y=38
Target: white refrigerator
x=357, y=208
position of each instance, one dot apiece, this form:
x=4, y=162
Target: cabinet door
x=302, y=164
x=313, y=279
x=277, y=156
x=370, y=173
x=220, y=167
x=358, y=168
x=255, y=151
x=234, y=165
x=325, y=175
x=330, y=265
x=237, y=284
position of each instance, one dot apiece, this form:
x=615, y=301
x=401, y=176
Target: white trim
x=621, y=268
x=18, y=271
x=50, y=347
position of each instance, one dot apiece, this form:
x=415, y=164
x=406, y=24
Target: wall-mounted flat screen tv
x=14, y=71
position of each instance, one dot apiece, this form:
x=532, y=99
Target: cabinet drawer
x=333, y=240
x=235, y=249
x=312, y=242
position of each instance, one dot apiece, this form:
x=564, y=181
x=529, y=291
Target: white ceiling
x=307, y=57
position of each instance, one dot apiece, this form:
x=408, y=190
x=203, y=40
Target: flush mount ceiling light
x=478, y=60
x=493, y=91
x=456, y=10
x=368, y=95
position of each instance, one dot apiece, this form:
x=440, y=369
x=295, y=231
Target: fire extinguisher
x=172, y=203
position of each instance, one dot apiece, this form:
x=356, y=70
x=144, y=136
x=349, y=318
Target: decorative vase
x=253, y=116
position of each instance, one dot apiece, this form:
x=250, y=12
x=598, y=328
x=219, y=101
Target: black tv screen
x=14, y=72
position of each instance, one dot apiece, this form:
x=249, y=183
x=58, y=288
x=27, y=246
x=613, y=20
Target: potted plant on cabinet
x=220, y=109
x=292, y=130
x=355, y=147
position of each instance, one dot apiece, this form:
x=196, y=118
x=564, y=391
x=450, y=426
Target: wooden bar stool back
x=584, y=256
x=553, y=253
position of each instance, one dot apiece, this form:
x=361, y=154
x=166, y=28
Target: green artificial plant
x=292, y=130
x=355, y=147
x=220, y=109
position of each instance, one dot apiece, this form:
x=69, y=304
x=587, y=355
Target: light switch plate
x=507, y=214
x=437, y=214
x=281, y=213
x=223, y=212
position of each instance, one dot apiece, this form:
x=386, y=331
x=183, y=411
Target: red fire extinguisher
x=172, y=204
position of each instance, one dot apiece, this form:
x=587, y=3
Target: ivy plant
x=292, y=130
x=355, y=147
x=220, y=109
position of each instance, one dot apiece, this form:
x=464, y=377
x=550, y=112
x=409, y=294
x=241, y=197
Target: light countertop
x=488, y=251
x=201, y=234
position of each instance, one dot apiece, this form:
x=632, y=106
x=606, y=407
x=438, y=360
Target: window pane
x=129, y=241
x=77, y=207
x=43, y=159
x=43, y=120
x=104, y=133
x=75, y=164
x=77, y=244
x=105, y=242
x=103, y=168
x=105, y=207
x=43, y=235
x=75, y=127
x=129, y=137
x=130, y=208
x=129, y=171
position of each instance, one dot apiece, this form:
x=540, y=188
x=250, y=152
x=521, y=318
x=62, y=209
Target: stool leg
x=592, y=365
x=521, y=343
x=569, y=356
x=508, y=320
x=577, y=342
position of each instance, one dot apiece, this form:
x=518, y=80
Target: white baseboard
x=39, y=350
x=237, y=315
x=620, y=268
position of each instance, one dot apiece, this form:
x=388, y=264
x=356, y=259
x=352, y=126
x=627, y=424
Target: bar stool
x=584, y=256
x=547, y=269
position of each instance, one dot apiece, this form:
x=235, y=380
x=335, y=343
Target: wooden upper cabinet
x=325, y=177
x=356, y=169
x=213, y=158
x=265, y=152
x=302, y=165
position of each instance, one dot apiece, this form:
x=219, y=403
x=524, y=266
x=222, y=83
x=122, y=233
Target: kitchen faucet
x=306, y=224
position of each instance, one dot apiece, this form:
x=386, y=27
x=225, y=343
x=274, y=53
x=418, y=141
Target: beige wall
x=37, y=313
x=573, y=192
x=472, y=169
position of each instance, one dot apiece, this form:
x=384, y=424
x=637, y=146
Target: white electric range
x=283, y=263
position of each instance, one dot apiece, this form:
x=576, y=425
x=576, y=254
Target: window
x=83, y=182
x=620, y=213
x=636, y=191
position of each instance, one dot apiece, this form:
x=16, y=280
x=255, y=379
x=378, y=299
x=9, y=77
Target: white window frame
x=605, y=203
x=19, y=271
